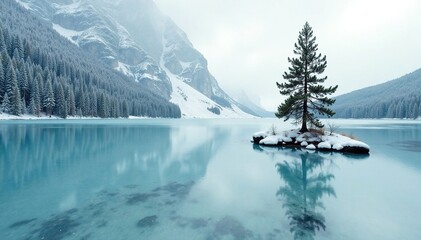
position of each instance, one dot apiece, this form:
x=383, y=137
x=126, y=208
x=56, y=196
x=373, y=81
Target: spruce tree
x=125, y=110
x=102, y=110
x=2, y=80
x=5, y=106
x=32, y=108
x=306, y=96
x=93, y=107
x=2, y=43
x=23, y=106
x=23, y=82
x=49, y=101
x=26, y=50
x=61, y=103
x=71, y=106
x=35, y=97
x=12, y=91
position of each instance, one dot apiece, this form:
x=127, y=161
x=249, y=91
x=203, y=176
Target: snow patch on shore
x=5, y=116
x=306, y=140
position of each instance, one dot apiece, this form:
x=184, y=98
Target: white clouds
x=247, y=43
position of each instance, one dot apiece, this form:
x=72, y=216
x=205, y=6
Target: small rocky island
x=311, y=140
x=306, y=99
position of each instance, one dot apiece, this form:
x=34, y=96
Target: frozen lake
x=204, y=179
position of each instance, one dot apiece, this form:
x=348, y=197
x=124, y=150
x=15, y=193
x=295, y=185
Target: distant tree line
x=408, y=107
x=399, y=98
x=41, y=72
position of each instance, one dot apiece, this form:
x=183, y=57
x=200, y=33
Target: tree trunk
x=304, y=126
x=305, y=108
x=304, y=119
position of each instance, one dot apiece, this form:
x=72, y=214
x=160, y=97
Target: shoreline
x=323, y=142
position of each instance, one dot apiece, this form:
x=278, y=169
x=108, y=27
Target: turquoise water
x=204, y=179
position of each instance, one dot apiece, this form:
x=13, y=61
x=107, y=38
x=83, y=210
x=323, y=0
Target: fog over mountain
x=367, y=42
x=135, y=38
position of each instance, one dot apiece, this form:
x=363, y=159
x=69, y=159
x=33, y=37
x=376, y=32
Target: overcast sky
x=247, y=43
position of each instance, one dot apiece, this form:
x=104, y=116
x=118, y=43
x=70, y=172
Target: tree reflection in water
x=306, y=182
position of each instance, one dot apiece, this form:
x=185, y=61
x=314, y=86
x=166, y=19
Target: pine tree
x=2, y=43
x=18, y=46
x=35, y=105
x=26, y=49
x=2, y=80
x=71, y=106
x=415, y=111
x=86, y=110
x=23, y=106
x=80, y=100
x=94, y=108
x=306, y=97
x=23, y=82
x=125, y=110
x=32, y=108
x=61, y=103
x=102, y=112
x=12, y=91
x=49, y=101
x=5, y=106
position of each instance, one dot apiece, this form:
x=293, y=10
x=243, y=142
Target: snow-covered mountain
x=252, y=102
x=135, y=38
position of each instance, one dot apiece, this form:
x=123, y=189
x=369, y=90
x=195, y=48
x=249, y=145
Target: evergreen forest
x=399, y=98
x=43, y=73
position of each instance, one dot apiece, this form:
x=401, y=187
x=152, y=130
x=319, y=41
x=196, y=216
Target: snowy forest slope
x=44, y=72
x=135, y=38
x=399, y=98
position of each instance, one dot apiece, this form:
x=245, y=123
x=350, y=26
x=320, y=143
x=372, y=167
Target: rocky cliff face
x=135, y=38
x=86, y=25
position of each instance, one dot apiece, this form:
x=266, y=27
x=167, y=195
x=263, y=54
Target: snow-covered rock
x=312, y=141
x=261, y=134
x=270, y=140
x=311, y=147
x=285, y=138
x=339, y=142
x=337, y=146
x=324, y=145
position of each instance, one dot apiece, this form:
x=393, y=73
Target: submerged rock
x=176, y=189
x=140, y=197
x=58, y=227
x=148, y=221
x=230, y=226
x=198, y=223
x=22, y=223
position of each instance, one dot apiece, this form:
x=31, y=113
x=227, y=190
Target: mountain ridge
x=145, y=45
x=48, y=66
x=397, y=98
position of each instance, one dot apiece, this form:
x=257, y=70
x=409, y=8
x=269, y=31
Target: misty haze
x=161, y=119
